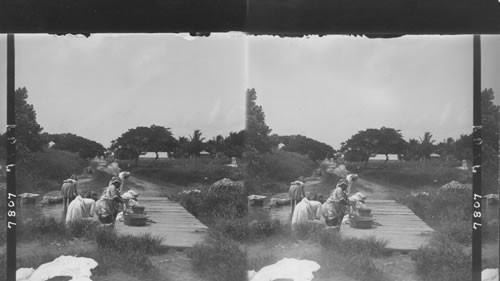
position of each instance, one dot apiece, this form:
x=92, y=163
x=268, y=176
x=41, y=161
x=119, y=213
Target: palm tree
x=196, y=143
x=426, y=145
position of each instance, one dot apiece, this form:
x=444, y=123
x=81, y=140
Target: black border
x=371, y=18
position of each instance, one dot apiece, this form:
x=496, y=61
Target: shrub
x=225, y=199
x=267, y=227
x=82, y=228
x=352, y=256
x=362, y=268
x=261, y=260
x=48, y=168
x=219, y=258
x=309, y=230
x=41, y=227
x=236, y=229
x=286, y=166
x=443, y=259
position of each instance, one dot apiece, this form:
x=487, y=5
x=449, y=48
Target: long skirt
x=106, y=210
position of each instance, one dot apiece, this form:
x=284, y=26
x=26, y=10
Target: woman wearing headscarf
x=108, y=206
x=296, y=192
x=79, y=209
x=335, y=206
x=68, y=192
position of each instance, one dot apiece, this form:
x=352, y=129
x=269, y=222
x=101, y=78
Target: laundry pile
x=294, y=269
x=79, y=268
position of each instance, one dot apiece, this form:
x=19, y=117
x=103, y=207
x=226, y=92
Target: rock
x=279, y=201
x=28, y=198
x=49, y=200
x=456, y=185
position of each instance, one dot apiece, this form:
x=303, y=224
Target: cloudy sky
x=325, y=88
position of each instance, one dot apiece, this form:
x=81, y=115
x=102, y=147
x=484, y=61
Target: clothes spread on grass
x=80, y=208
x=79, y=268
x=302, y=212
x=489, y=274
x=294, y=269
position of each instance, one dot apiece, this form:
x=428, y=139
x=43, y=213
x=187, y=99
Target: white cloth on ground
x=489, y=274
x=297, y=270
x=79, y=268
x=80, y=208
x=302, y=212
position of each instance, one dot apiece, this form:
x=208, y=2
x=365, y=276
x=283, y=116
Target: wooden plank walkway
x=177, y=227
x=403, y=230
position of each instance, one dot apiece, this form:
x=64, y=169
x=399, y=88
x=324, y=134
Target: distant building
x=51, y=144
x=281, y=145
x=152, y=155
x=435, y=156
x=382, y=157
x=204, y=154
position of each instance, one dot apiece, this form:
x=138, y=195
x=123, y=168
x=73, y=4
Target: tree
x=314, y=149
x=464, y=147
x=143, y=139
x=196, y=143
x=27, y=128
x=426, y=146
x=70, y=142
x=372, y=141
x=490, y=119
x=412, y=150
x=234, y=144
x=256, y=131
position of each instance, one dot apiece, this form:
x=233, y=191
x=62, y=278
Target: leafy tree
x=426, y=146
x=143, y=139
x=196, y=143
x=464, y=147
x=84, y=147
x=314, y=149
x=372, y=141
x=490, y=114
x=27, y=128
x=412, y=150
x=256, y=131
x=234, y=144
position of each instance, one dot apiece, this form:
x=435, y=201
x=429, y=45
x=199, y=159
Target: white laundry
x=302, y=212
x=489, y=274
x=76, y=267
x=80, y=208
x=297, y=270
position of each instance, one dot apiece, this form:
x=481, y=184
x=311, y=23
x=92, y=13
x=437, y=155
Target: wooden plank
x=177, y=227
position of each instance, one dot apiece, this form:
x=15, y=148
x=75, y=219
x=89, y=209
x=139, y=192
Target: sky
x=326, y=88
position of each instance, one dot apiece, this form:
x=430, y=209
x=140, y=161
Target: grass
x=129, y=254
x=352, y=256
x=186, y=171
x=443, y=259
x=219, y=258
x=413, y=178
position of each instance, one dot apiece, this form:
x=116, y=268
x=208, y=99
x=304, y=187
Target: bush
x=309, y=230
x=352, y=256
x=286, y=166
x=331, y=240
x=224, y=199
x=236, y=229
x=444, y=260
x=41, y=227
x=362, y=268
x=48, y=168
x=82, y=228
x=219, y=259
